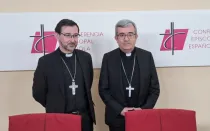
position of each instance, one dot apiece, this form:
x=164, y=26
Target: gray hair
x=125, y=23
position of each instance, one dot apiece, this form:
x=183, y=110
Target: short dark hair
x=65, y=22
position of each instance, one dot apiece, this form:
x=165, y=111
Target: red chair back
x=45, y=122
x=160, y=120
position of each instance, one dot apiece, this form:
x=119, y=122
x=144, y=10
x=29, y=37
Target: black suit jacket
x=111, y=89
x=48, y=83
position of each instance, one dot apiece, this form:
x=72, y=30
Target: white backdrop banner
x=175, y=38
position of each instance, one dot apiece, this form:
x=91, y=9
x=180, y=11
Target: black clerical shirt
x=128, y=62
x=79, y=101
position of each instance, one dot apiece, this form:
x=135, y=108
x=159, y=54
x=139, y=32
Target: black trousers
x=118, y=125
x=87, y=123
x=117, y=128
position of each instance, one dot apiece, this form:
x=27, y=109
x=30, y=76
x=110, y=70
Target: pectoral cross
x=73, y=87
x=129, y=88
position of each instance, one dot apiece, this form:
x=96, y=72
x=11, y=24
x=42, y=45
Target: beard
x=69, y=47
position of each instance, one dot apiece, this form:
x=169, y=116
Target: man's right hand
x=126, y=109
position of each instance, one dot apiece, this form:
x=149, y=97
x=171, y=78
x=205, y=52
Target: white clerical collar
x=128, y=54
x=69, y=55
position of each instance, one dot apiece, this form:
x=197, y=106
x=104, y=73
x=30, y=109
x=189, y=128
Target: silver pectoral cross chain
x=129, y=88
x=73, y=86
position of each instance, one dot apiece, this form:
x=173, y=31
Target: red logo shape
x=177, y=39
x=49, y=40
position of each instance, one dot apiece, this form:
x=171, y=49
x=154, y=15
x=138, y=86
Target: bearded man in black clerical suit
x=63, y=79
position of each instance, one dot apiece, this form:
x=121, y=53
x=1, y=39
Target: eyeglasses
x=68, y=35
x=129, y=35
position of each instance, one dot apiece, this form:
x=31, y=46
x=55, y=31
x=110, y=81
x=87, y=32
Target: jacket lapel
x=59, y=66
x=141, y=69
x=83, y=65
x=117, y=69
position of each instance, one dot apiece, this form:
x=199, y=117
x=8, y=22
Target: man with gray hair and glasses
x=128, y=79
